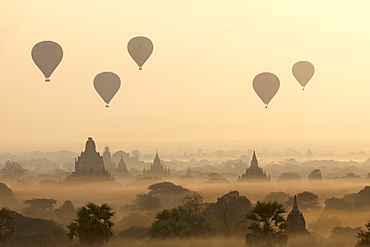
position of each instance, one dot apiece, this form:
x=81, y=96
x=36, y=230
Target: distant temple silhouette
x=122, y=169
x=309, y=154
x=157, y=169
x=90, y=165
x=297, y=233
x=254, y=171
x=107, y=158
x=188, y=176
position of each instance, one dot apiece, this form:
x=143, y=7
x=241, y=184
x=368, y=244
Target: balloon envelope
x=140, y=48
x=303, y=72
x=47, y=55
x=107, y=85
x=266, y=86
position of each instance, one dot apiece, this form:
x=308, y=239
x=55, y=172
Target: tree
x=194, y=202
x=5, y=191
x=93, y=226
x=39, y=207
x=335, y=203
x=343, y=236
x=363, y=237
x=306, y=200
x=169, y=193
x=12, y=170
x=166, y=188
x=363, y=198
x=290, y=176
x=179, y=222
x=6, y=227
x=278, y=196
x=66, y=212
x=351, y=176
x=228, y=213
x=147, y=202
x=315, y=175
x=268, y=224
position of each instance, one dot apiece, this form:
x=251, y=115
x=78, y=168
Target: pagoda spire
x=295, y=204
x=254, y=162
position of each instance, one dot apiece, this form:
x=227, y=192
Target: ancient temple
x=90, y=165
x=122, y=169
x=254, y=171
x=107, y=158
x=188, y=176
x=157, y=169
x=309, y=154
x=297, y=233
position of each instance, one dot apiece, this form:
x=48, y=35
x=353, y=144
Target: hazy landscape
x=185, y=123
x=215, y=173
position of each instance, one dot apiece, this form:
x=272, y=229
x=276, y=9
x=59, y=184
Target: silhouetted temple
x=122, y=169
x=254, y=171
x=90, y=165
x=297, y=233
x=309, y=154
x=157, y=169
x=107, y=158
x=188, y=176
x=295, y=219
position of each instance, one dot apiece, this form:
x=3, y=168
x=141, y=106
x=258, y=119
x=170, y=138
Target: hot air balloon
x=140, y=48
x=303, y=72
x=107, y=85
x=266, y=86
x=47, y=56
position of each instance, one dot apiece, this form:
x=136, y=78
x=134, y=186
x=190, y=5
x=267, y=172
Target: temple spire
x=295, y=204
x=254, y=162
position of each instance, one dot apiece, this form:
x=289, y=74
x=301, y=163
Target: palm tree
x=92, y=226
x=268, y=224
x=6, y=227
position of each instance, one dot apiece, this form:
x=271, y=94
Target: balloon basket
x=303, y=89
x=107, y=106
x=47, y=80
x=266, y=107
x=140, y=68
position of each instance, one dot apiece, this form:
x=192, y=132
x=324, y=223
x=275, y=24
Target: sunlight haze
x=197, y=84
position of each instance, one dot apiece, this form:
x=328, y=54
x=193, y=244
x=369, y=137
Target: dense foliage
x=268, y=224
x=93, y=226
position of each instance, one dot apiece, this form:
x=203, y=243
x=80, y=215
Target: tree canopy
x=6, y=226
x=194, y=202
x=306, y=200
x=363, y=237
x=93, y=226
x=179, y=222
x=12, y=170
x=268, y=224
x=315, y=175
x=228, y=213
x=278, y=196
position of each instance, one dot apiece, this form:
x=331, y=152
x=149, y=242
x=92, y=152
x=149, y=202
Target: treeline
x=172, y=211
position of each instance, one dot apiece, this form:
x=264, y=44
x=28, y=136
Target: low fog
x=339, y=195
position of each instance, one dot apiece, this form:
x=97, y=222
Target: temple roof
x=254, y=161
x=157, y=161
x=122, y=164
x=295, y=220
x=90, y=146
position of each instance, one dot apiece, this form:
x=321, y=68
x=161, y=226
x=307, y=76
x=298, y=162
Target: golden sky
x=197, y=85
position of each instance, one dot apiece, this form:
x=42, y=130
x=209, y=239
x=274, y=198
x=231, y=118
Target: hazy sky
x=197, y=85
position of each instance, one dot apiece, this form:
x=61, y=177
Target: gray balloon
x=107, y=85
x=140, y=48
x=47, y=55
x=303, y=72
x=266, y=86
